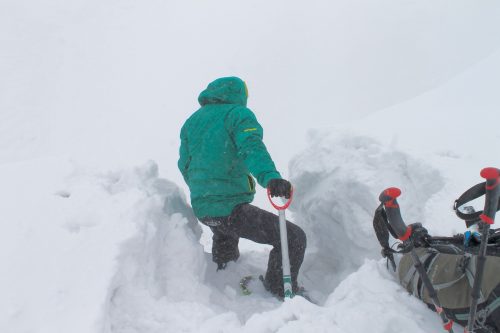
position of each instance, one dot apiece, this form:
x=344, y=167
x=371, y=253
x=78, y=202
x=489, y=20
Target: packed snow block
x=337, y=181
x=78, y=241
x=161, y=269
x=174, y=199
x=369, y=300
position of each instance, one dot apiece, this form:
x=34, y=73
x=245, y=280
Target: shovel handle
x=285, y=206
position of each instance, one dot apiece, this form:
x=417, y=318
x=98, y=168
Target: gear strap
x=382, y=230
x=473, y=193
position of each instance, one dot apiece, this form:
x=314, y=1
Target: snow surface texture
x=94, y=241
x=337, y=186
x=63, y=250
x=122, y=254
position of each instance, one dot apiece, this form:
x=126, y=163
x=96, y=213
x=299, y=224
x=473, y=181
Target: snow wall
x=338, y=181
x=120, y=251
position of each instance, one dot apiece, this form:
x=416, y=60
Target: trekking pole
x=285, y=259
x=388, y=199
x=492, y=176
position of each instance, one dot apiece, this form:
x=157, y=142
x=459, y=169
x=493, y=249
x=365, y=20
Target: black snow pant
x=260, y=226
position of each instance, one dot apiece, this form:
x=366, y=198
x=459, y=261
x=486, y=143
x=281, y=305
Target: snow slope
x=102, y=81
x=96, y=237
x=432, y=147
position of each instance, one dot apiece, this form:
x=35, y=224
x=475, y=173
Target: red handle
x=492, y=176
x=388, y=197
x=392, y=192
x=490, y=173
x=285, y=206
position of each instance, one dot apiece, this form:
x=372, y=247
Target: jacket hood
x=226, y=90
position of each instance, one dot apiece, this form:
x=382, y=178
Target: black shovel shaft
x=492, y=176
x=388, y=198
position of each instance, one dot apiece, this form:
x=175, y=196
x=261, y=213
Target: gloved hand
x=472, y=235
x=279, y=188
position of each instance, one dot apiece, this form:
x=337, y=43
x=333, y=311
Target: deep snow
x=121, y=253
x=96, y=233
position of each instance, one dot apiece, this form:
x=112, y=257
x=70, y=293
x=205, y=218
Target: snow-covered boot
x=275, y=291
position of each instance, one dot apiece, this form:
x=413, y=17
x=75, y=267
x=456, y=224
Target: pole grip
x=492, y=192
x=492, y=176
x=388, y=198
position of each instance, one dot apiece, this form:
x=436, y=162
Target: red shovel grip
x=285, y=206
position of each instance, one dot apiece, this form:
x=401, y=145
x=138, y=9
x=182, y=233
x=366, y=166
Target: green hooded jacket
x=221, y=148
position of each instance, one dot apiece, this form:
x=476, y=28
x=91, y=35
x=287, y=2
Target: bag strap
x=382, y=230
x=473, y=193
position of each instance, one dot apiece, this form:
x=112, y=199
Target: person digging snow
x=220, y=154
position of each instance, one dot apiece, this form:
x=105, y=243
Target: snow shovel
x=391, y=206
x=492, y=176
x=285, y=259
